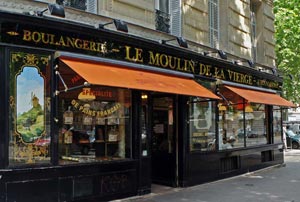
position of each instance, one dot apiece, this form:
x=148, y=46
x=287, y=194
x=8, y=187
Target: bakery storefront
x=104, y=115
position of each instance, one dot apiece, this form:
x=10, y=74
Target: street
x=275, y=184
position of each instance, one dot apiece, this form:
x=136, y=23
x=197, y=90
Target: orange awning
x=260, y=97
x=103, y=74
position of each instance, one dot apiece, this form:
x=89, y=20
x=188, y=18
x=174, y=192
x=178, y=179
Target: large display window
x=94, y=120
x=240, y=123
x=231, y=125
x=277, y=126
x=202, y=125
x=256, y=124
x=95, y=125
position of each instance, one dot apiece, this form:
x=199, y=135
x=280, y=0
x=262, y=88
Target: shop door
x=163, y=157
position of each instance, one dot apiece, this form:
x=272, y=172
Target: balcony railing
x=162, y=21
x=78, y=4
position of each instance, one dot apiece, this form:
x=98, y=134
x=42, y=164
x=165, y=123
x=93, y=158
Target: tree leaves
x=287, y=36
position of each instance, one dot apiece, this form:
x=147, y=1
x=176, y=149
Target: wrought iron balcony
x=78, y=4
x=162, y=21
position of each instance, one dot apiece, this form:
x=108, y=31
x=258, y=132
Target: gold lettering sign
x=171, y=62
x=63, y=41
x=99, y=113
x=149, y=57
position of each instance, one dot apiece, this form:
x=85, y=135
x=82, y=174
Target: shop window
x=95, y=124
x=29, y=109
x=168, y=16
x=213, y=12
x=240, y=123
x=84, y=5
x=144, y=123
x=202, y=125
x=256, y=129
x=277, y=126
x=231, y=125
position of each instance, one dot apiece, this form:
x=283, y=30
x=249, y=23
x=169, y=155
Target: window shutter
x=91, y=6
x=214, y=23
x=253, y=30
x=175, y=7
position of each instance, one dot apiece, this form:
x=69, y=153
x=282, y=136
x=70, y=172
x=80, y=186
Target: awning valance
x=98, y=73
x=260, y=96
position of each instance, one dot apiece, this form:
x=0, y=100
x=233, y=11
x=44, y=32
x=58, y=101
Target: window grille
x=162, y=15
x=162, y=21
x=84, y=5
x=168, y=16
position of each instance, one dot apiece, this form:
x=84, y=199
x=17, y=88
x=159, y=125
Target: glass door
x=163, y=156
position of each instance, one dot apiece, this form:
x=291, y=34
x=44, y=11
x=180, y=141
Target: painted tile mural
x=30, y=105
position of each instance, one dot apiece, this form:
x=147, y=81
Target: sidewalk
x=275, y=184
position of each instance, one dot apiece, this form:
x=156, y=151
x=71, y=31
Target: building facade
x=100, y=99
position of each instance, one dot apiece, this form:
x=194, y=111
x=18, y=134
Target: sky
x=29, y=81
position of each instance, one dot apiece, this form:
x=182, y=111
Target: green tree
x=287, y=36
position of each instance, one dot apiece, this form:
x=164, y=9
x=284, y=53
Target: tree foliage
x=287, y=36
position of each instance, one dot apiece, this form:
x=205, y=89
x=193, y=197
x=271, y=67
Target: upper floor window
x=253, y=13
x=84, y=5
x=168, y=16
x=213, y=11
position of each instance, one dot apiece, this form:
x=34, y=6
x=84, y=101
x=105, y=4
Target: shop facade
x=91, y=113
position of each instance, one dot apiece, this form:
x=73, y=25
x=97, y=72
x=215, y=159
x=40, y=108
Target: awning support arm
x=57, y=92
x=85, y=84
x=222, y=96
x=62, y=80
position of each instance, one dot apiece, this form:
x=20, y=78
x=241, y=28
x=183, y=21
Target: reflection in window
x=240, y=123
x=144, y=123
x=256, y=124
x=202, y=125
x=95, y=125
x=277, y=127
x=231, y=126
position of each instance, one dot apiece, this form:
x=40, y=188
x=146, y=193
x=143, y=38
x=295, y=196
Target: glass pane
x=256, y=129
x=164, y=6
x=144, y=124
x=163, y=125
x=202, y=125
x=95, y=125
x=231, y=126
x=241, y=121
x=277, y=127
x=29, y=121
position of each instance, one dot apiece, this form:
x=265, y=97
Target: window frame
x=214, y=23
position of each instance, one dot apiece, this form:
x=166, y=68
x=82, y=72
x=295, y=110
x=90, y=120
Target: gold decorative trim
x=23, y=152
